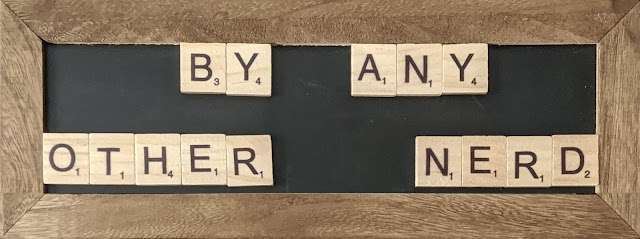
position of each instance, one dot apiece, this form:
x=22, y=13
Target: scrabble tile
x=65, y=158
x=373, y=70
x=529, y=161
x=203, y=68
x=466, y=69
x=438, y=161
x=484, y=161
x=112, y=158
x=249, y=161
x=248, y=69
x=158, y=159
x=575, y=160
x=204, y=159
x=419, y=69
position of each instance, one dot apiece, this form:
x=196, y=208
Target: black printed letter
x=463, y=66
x=194, y=158
x=237, y=161
x=71, y=152
x=108, y=151
x=205, y=67
x=162, y=159
x=474, y=159
x=563, y=161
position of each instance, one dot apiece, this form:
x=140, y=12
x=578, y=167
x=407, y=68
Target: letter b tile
x=203, y=68
x=249, y=160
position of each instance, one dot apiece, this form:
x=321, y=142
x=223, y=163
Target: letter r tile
x=438, y=161
x=529, y=161
x=249, y=160
x=373, y=70
x=203, y=68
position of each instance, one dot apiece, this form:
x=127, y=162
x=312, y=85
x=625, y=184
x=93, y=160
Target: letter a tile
x=484, y=161
x=249, y=69
x=158, y=159
x=249, y=161
x=373, y=70
x=203, y=68
x=419, y=70
x=65, y=158
x=466, y=69
x=438, y=161
x=529, y=161
x=575, y=160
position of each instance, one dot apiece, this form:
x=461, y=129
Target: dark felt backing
x=324, y=140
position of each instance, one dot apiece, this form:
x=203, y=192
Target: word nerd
x=499, y=161
x=157, y=159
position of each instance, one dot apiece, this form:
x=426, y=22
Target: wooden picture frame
x=27, y=211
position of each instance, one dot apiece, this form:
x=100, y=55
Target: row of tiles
x=157, y=159
x=377, y=70
x=500, y=161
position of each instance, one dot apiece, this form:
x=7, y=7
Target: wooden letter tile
x=249, y=69
x=204, y=159
x=65, y=158
x=466, y=69
x=529, y=161
x=373, y=70
x=438, y=161
x=484, y=161
x=112, y=158
x=203, y=68
x=575, y=160
x=249, y=161
x=419, y=69
x=158, y=159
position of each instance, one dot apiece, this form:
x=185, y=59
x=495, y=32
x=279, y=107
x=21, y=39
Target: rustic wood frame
x=26, y=211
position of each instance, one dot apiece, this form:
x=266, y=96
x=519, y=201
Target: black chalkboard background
x=324, y=140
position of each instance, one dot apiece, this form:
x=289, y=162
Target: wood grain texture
x=321, y=21
x=618, y=114
x=21, y=118
x=14, y=206
x=321, y=215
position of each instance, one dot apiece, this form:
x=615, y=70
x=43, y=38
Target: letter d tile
x=575, y=160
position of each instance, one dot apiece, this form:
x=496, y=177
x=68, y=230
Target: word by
x=218, y=68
